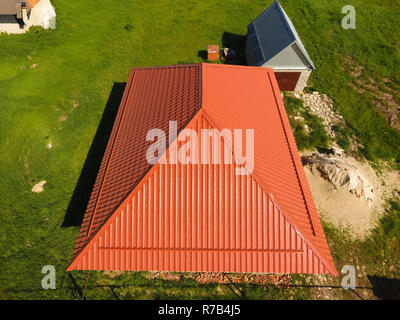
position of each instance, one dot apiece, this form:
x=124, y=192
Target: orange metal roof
x=202, y=217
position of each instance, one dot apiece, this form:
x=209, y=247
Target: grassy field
x=54, y=87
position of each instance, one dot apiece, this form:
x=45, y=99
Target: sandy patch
x=343, y=208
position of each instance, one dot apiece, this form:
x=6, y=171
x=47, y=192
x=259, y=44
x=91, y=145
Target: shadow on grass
x=87, y=178
x=231, y=41
x=236, y=42
x=385, y=288
x=203, y=55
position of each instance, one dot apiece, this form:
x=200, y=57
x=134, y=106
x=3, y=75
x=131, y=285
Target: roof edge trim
x=327, y=264
x=282, y=208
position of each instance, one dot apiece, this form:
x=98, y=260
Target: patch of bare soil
x=385, y=97
x=344, y=209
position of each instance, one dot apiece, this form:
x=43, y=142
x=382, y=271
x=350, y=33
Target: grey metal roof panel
x=296, y=35
x=274, y=32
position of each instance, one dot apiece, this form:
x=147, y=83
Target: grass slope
x=62, y=100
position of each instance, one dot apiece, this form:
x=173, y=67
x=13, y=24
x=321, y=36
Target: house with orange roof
x=201, y=173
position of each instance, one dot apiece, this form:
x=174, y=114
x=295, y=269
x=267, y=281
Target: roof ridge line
x=284, y=211
x=311, y=217
x=143, y=178
x=87, y=240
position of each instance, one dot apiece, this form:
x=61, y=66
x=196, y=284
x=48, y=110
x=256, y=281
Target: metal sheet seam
x=265, y=188
x=310, y=243
x=123, y=102
x=291, y=154
x=259, y=43
x=141, y=182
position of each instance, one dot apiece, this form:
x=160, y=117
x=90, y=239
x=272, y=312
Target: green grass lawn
x=62, y=100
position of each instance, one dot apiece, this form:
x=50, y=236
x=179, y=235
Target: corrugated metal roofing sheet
x=203, y=217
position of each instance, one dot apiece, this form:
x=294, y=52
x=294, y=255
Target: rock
x=34, y=66
x=298, y=118
x=39, y=186
x=337, y=151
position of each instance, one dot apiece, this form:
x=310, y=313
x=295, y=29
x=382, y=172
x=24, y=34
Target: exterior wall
x=302, y=82
x=287, y=81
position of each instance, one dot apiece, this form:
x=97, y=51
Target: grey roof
x=272, y=32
